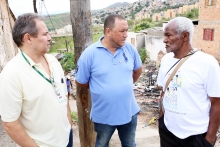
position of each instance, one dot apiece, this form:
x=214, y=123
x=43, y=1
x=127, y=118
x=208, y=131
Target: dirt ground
x=146, y=136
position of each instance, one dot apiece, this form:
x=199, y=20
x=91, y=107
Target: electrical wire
x=48, y=15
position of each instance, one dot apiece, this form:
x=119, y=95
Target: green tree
x=132, y=14
x=190, y=15
x=141, y=26
x=68, y=61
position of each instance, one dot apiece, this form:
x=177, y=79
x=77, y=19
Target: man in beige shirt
x=33, y=103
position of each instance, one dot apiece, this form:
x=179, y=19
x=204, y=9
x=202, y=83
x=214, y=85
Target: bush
x=74, y=117
x=141, y=26
x=68, y=61
x=143, y=54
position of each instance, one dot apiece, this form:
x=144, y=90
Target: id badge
x=59, y=95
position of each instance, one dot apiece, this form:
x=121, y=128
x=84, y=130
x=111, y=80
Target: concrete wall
x=136, y=39
x=154, y=42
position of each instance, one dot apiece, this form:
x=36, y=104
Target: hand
x=210, y=140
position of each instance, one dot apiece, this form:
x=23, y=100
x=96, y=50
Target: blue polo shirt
x=110, y=82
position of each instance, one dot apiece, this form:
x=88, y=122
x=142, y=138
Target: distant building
x=136, y=39
x=156, y=17
x=209, y=27
x=68, y=29
x=154, y=42
x=169, y=14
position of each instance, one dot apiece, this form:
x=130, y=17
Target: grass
x=74, y=117
x=61, y=42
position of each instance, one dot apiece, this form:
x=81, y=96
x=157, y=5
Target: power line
x=48, y=15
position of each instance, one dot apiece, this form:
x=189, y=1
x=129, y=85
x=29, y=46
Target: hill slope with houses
x=132, y=11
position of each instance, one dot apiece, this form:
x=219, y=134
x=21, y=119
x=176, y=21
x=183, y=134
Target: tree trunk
x=7, y=47
x=80, y=16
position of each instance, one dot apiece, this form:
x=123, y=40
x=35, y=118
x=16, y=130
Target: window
x=210, y=2
x=208, y=34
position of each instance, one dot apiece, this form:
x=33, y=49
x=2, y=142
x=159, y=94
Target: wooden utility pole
x=35, y=6
x=80, y=16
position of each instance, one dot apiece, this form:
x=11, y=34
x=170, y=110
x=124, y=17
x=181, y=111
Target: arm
x=82, y=85
x=161, y=99
x=136, y=74
x=17, y=132
x=214, y=120
x=69, y=114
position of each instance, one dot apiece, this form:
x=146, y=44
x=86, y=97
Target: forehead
x=41, y=25
x=170, y=28
x=121, y=23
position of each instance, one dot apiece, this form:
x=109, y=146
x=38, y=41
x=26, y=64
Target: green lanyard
x=51, y=80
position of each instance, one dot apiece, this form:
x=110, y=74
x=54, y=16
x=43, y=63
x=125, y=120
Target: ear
x=107, y=31
x=27, y=38
x=185, y=36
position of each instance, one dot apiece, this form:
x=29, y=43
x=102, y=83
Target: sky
x=19, y=7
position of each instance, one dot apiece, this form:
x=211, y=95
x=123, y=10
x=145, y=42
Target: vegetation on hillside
x=60, y=20
x=67, y=42
x=143, y=24
x=194, y=14
x=148, y=23
x=57, y=21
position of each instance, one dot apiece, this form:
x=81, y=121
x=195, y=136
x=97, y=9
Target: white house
x=68, y=28
x=154, y=42
x=136, y=39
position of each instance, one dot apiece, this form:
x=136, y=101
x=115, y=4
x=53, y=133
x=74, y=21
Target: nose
x=126, y=34
x=49, y=37
x=165, y=39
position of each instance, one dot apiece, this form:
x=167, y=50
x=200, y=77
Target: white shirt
x=186, y=100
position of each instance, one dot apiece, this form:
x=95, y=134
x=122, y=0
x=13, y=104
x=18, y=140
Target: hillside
x=60, y=20
x=117, y=5
x=131, y=11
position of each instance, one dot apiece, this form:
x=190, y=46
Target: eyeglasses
x=126, y=59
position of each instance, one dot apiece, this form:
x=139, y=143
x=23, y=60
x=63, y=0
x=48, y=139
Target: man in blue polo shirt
x=109, y=68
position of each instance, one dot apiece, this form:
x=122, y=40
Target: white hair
x=183, y=24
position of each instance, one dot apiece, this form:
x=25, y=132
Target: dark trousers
x=70, y=144
x=168, y=139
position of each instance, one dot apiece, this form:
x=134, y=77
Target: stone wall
x=7, y=46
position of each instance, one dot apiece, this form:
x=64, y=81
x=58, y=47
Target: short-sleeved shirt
x=186, y=100
x=110, y=82
x=26, y=96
